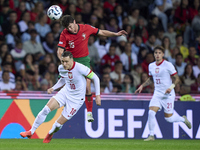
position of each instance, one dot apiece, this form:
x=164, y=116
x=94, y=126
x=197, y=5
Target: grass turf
x=98, y=144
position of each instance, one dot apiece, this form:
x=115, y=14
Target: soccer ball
x=54, y=12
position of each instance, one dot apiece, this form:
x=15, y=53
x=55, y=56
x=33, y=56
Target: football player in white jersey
x=165, y=78
x=71, y=96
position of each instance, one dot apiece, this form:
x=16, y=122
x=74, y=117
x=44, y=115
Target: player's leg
x=151, y=121
x=50, y=106
x=89, y=101
x=168, y=106
x=56, y=127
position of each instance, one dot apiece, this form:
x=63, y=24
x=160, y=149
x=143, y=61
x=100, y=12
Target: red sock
x=89, y=102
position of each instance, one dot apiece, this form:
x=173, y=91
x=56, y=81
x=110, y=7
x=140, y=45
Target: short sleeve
x=171, y=69
x=62, y=41
x=85, y=71
x=149, y=68
x=93, y=30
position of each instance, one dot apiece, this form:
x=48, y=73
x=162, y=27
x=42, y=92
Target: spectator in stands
x=133, y=16
x=26, y=35
x=49, y=45
x=136, y=73
x=195, y=88
x=195, y=24
x=105, y=69
x=42, y=27
x=6, y=25
x=23, y=23
x=99, y=12
x=93, y=20
x=63, y=5
x=13, y=36
x=44, y=85
x=71, y=10
x=149, y=59
x=112, y=26
x=102, y=45
x=179, y=64
x=86, y=11
x=20, y=9
x=79, y=6
x=5, y=84
x=3, y=51
x=93, y=53
x=196, y=68
x=188, y=77
x=137, y=44
x=166, y=45
x=153, y=25
x=110, y=5
x=56, y=29
x=117, y=88
x=7, y=66
x=128, y=84
x=174, y=51
x=37, y=75
x=108, y=83
x=52, y=69
x=140, y=29
x=171, y=34
x=152, y=42
x=8, y=58
x=118, y=14
x=18, y=54
x=117, y=75
x=27, y=64
x=121, y=41
x=32, y=46
x=129, y=30
x=43, y=65
x=4, y=13
x=31, y=83
x=192, y=58
x=142, y=54
x=179, y=42
x=111, y=57
x=149, y=88
x=20, y=86
x=193, y=9
x=128, y=58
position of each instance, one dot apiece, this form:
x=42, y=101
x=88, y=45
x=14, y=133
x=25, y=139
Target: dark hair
x=118, y=62
x=66, y=20
x=5, y=72
x=192, y=74
x=179, y=54
x=160, y=48
x=66, y=54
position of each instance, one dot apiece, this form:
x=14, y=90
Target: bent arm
x=175, y=79
x=59, y=83
x=59, y=52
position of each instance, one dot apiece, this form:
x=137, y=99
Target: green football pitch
x=98, y=144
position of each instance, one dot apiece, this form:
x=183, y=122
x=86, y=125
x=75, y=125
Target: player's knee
x=169, y=119
x=152, y=113
x=45, y=111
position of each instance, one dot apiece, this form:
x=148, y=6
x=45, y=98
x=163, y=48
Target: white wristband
x=172, y=86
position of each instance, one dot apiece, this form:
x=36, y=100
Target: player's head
x=67, y=60
x=159, y=53
x=69, y=23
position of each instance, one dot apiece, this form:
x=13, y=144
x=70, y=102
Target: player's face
x=72, y=27
x=67, y=62
x=158, y=54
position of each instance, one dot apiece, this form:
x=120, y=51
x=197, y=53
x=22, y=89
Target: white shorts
x=166, y=101
x=71, y=106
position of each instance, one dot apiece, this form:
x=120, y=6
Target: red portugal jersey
x=77, y=43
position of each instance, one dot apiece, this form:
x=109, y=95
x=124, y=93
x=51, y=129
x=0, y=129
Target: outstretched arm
x=175, y=81
x=146, y=83
x=111, y=34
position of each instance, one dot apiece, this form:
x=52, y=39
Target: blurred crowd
x=28, y=42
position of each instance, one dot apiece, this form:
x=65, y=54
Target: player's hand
x=168, y=91
x=50, y=90
x=98, y=100
x=122, y=32
x=139, y=89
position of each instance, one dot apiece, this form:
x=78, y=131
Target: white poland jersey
x=75, y=80
x=161, y=74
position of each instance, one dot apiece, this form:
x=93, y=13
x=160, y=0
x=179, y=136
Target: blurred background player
x=161, y=72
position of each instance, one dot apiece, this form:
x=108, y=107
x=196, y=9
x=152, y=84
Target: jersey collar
x=77, y=31
x=160, y=63
x=72, y=66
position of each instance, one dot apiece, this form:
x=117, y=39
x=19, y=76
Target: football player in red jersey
x=74, y=38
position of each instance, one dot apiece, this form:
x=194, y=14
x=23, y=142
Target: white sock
x=40, y=118
x=151, y=121
x=56, y=127
x=175, y=118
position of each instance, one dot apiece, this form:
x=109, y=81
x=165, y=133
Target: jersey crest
x=84, y=36
x=70, y=75
x=157, y=70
